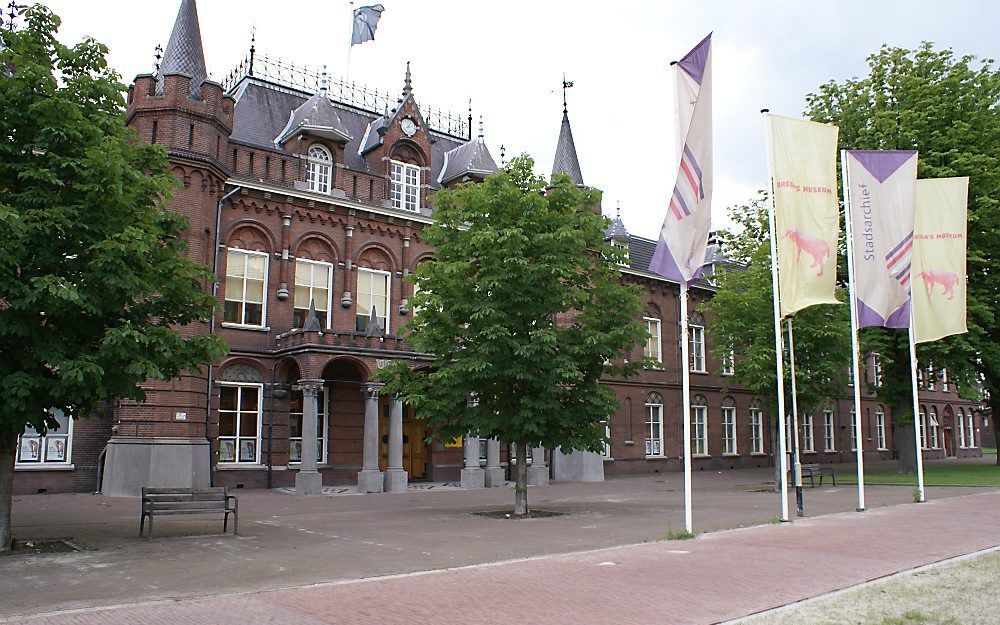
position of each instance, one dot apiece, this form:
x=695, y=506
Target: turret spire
x=184, y=53
x=566, y=160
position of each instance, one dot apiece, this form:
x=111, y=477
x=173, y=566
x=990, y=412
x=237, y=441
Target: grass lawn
x=966, y=475
x=989, y=451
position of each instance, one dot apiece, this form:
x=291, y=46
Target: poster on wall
x=295, y=453
x=248, y=450
x=227, y=451
x=29, y=450
x=55, y=450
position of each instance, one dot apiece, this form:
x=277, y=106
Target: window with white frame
x=607, y=445
x=654, y=424
x=934, y=427
x=405, y=187
x=373, y=294
x=931, y=378
x=808, y=442
x=971, y=438
x=829, y=433
x=318, y=169
x=854, y=431
x=756, y=429
x=850, y=375
x=295, y=425
x=944, y=380
x=699, y=426
x=960, y=422
x=880, y=426
x=788, y=433
x=246, y=284
x=313, y=282
x=729, y=426
x=653, y=347
x=54, y=448
x=729, y=363
x=239, y=422
x=921, y=379
x=922, y=426
x=876, y=370
x=696, y=334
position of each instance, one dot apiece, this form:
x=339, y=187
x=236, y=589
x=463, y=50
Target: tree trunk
x=7, y=447
x=992, y=412
x=905, y=442
x=521, y=480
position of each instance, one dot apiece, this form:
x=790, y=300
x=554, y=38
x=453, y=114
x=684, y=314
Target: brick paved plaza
x=313, y=560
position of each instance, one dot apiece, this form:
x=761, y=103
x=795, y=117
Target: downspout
x=211, y=326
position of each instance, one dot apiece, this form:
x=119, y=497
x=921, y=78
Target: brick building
x=309, y=201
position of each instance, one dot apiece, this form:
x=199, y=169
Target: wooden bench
x=813, y=470
x=157, y=501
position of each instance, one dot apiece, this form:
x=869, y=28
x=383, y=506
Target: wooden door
x=414, y=449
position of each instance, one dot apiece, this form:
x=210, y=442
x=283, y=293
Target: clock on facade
x=408, y=126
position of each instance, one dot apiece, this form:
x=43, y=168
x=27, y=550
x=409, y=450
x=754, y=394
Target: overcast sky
x=509, y=57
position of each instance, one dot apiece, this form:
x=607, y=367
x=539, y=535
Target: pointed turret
x=317, y=116
x=566, y=160
x=471, y=160
x=184, y=53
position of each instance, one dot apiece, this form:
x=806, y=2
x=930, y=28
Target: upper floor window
x=653, y=349
x=696, y=337
x=405, y=189
x=931, y=381
x=654, y=424
x=313, y=280
x=319, y=168
x=246, y=283
x=373, y=294
x=944, y=380
x=876, y=370
x=729, y=363
x=53, y=448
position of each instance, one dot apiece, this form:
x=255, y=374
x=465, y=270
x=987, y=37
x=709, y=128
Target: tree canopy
x=93, y=275
x=524, y=309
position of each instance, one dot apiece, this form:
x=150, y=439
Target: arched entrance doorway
x=346, y=418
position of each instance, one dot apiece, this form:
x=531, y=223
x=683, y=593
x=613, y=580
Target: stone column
x=370, y=479
x=395, y=476
x=494, y=472
x=538, y=472
x=308, y=480
x=472, y=475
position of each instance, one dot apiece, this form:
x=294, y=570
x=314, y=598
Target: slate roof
x=263, y=109
x=318, y=116
x=617, y=229
x=471, y=158
x=640, y=254
x=184, y=54
x=566, y=160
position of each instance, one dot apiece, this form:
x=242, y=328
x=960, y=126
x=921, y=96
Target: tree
x=93, y=278
x=524, y=310
x=741, y=315
x=945, y=106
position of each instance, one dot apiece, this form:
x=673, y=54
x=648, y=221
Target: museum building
x=308, y=198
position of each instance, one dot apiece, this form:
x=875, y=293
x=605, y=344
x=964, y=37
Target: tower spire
x=566, y=160
x=184, y=53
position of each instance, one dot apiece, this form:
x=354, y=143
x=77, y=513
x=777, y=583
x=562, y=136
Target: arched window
x=829, y=430
x=729, y=426
x=934, y=427
x=922, y=426
x=654, y=424
x=960, y=422
x=320, y=164
x=756, y=428
x=699, y=426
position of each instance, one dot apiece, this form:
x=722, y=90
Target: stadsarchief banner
x=807, y=217
x=939, y=252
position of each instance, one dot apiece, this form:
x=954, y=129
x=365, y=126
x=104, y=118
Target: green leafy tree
x=525, y=310
x=945, y=106
x=741, y=316
x=93, y=277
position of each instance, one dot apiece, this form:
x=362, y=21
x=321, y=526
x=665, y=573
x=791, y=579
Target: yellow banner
x=939, y=248
x=807, y=218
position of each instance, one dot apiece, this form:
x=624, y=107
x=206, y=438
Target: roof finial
x=480, y=125
x=470, y=119
x=503, y=154
x=253, y=48
x=407, y=83
x=618, y=209
x=322, y=82
x=157, y=56
x=565, y=85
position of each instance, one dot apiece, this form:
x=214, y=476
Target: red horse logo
x=814, y=246
x=946, y=279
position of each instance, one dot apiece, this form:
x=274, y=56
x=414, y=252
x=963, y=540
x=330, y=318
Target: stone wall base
x=577, y=466
x=157, y=461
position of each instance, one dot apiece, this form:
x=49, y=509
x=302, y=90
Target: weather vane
x=566, y=84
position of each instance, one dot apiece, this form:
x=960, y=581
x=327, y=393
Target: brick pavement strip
x=713, y=578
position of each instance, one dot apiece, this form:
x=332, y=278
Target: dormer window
x=318, y=169
x=405, y=190
x=623, y=246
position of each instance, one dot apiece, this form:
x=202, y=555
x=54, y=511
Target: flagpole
x=350, y=46
x=686, y=406
x=916, y=411
x=778, y=351
x=796, y=459
x=856, y=359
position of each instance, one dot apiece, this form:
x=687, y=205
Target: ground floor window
x=808, y=442
x=934, y=427
x=654, y=424
x=295, y=425
x=880, y=427
x=53, y=448
x=971, y=438
x=239, y=422
x=728, y=429
x=756, y=430
x=854, y=431
x=699, y=426
x=607, y=446
x=829, y=433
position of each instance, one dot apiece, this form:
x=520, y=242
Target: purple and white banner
x=681, y=246
x=882, y=197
